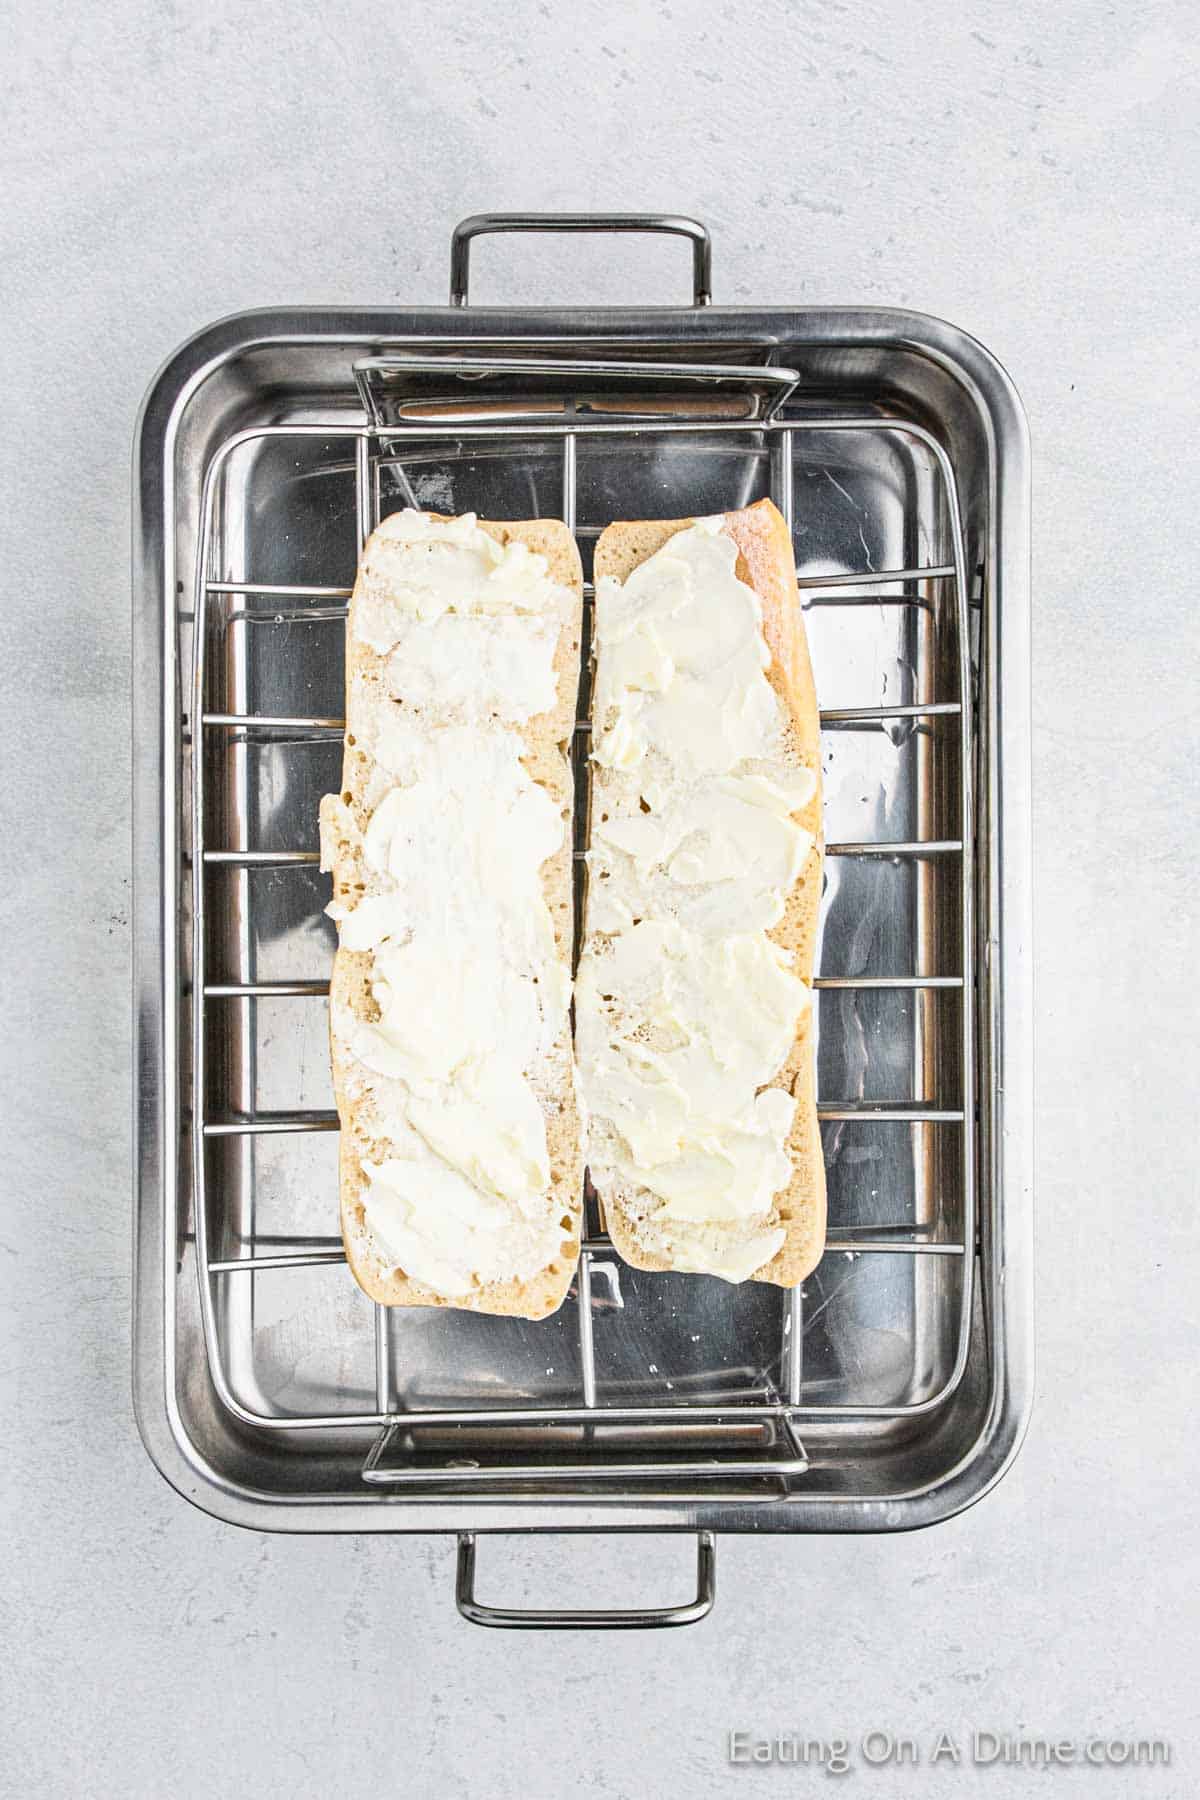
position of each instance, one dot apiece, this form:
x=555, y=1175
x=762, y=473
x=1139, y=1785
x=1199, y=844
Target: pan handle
x=560, y=1619
x=674, y=224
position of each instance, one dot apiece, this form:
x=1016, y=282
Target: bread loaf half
x=694, y=1005
x=450, y=847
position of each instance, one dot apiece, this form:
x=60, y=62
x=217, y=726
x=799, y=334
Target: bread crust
x=545, y=755
x=766, y=563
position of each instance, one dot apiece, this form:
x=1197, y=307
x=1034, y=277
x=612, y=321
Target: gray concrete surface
x=1029, y=172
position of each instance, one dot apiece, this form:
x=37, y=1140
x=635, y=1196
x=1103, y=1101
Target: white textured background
x=1028, y=171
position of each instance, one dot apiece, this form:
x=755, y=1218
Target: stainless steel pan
x=893, y=1390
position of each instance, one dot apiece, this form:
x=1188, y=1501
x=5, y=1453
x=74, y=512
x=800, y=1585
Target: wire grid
x=779, y=1418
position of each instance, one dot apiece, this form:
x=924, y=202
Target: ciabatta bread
x=694, y=1008
x=450, y=847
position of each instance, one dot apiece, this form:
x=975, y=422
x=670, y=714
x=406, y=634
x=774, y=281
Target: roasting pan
x=893, y=1388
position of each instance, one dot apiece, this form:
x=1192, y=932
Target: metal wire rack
x=763, y=1438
